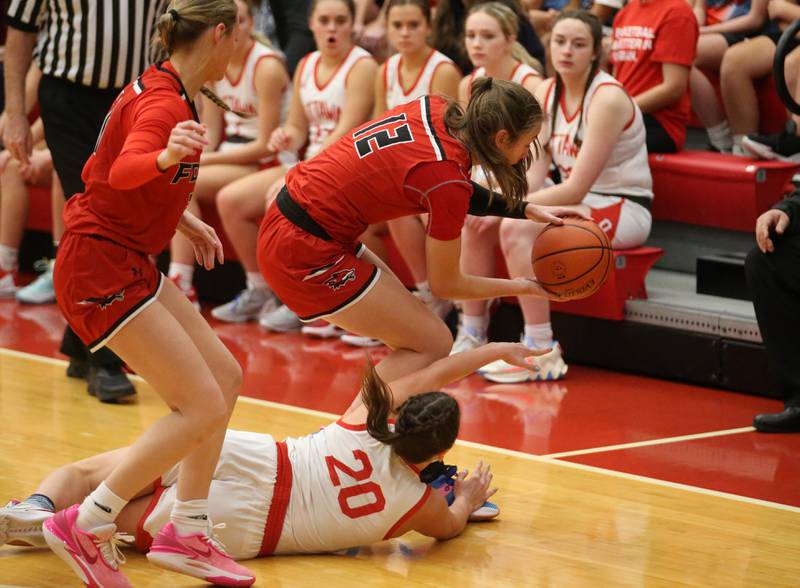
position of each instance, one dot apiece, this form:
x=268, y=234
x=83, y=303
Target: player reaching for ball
x=354, y=482
x=415, y=159
x=138, y=182
x=596, y=138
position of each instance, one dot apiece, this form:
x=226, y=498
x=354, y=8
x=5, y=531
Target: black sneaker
x=109, y=383
x=784, y=146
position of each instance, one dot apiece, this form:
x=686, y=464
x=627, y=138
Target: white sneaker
x=21, y=524
x=40, y=291
x=248, y=305
x=359, y=341
x=8, y=289
x=321, y=329
x=467, y=340
x=551, y=367
x=281, y=320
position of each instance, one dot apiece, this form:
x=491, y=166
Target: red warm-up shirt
x=127, y=198
x=647, y=35
x=402, y=164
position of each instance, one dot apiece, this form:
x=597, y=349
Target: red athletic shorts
x=313, y=277
x=101, y=285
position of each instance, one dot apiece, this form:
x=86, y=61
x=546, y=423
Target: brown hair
x=426, y=424
x=351, y=7
x=509, y=24
x=257, y=36
x=185, y=21
x=596, y=29
x=423, y=5
x=496, y=105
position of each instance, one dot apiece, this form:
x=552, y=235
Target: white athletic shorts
x=240, y=495
x=626, y=223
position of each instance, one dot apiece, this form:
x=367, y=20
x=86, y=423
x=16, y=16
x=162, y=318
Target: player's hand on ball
x=530, y=287
x=773, y=221
x=475, y=489
x=552, y=214
x=205, y=242
x=187, y=137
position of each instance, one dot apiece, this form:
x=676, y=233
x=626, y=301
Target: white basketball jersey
x=627, y=171
x=241, y=94
x=520, y=73
x=347, y=489
x=323, y=104
x=395, y=92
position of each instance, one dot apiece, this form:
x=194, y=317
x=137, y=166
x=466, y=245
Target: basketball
x=572, y=260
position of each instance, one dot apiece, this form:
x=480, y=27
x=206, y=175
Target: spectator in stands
x=784, y=146
x=76, y=91
x=255, y=84
x=747, y=62
x=652, y=50
x=774, y=280
x=448, y=31
x=494, y=51
x=333, y=92
x=291, y=26
x=596, y=139
x=723, y=23
x=417, y=69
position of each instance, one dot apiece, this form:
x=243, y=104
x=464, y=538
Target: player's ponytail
x=426, y=426
x=496, y=105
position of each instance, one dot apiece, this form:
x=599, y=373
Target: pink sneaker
x=197, y=555
x=93, y=555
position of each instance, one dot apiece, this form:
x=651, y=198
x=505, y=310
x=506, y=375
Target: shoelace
x=41, y=265
x=110, y=549
x=214, y=540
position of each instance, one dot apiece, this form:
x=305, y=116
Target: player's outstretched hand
x=187, y=137
x=519, y=355
x=771, y=221
x=204, y=240
x=475, y=489
x=530, y=287
x=552, y=214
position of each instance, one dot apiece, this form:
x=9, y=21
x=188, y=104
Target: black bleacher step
x=722, y=275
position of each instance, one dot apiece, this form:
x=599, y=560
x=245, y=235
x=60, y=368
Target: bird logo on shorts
x=104, y=301
x=340, y=278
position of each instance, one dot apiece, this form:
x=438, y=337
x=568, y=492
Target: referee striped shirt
x=94, y=43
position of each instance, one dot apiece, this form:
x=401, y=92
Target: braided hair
x=185, y=21
x=596, y=28
x=426, y=424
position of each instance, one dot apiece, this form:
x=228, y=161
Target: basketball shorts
x=240, y=495
x=101, y=286
x=314, y=277
x=626, y=223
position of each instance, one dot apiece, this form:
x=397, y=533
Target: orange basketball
x=573, y=259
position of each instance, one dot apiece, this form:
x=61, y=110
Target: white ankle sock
x=720, y=136
x=184, y=272
x=424, y=291
x=475, y=325
x=8, y=258
x=101, y=507
x=255, y=281
x=190, y=516
x=540, y=335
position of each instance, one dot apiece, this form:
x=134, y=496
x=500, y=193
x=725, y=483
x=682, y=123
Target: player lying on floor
x=352, y=483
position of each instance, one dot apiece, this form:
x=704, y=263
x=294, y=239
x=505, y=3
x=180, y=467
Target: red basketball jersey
x=127, y=199
x=402, y=164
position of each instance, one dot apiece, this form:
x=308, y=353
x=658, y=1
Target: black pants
x=658, y=140
x=774, y=280
x=72, y=117
x=291, y=25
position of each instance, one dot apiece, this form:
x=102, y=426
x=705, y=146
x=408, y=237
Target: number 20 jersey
x=347, y=489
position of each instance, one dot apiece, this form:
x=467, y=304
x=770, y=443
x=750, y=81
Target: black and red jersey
x=404, y=163
x=127, y=198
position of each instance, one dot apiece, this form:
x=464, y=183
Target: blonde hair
x=509, y=25
x=257, y=36
x=496, y=105
x=185, y=21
